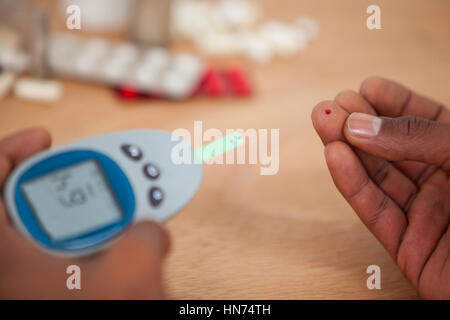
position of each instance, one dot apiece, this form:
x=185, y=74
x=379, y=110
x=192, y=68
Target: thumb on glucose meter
x=145, y=239
x=402, y=138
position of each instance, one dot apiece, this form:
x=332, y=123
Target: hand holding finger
x=403, y=138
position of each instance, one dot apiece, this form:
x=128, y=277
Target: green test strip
x=218, y=147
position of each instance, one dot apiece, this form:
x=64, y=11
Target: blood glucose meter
x=75, y=199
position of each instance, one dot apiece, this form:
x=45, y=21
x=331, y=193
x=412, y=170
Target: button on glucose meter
x=151, y=171
x=73, y=200
x=132, y=151
x=156, y=196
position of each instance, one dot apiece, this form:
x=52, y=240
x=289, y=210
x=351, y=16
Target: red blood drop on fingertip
x=327, y=111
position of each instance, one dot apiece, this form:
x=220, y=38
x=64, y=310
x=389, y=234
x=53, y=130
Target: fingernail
x=363, y=125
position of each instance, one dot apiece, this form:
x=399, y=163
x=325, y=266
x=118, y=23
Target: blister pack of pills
x=154, y=70
x=215, y=83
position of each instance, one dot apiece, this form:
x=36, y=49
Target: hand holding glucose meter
x=75, y=199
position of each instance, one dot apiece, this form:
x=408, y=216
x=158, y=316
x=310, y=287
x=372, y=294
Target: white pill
x=255, y=47
x=126, y=53
x=302, y=38
x=157, y=58
x=114, y=71
x=282, y=37
x=85, y=64
x=239, y=13
x=309, y=26
x=146, y=78
x=176, y=85
x=38, y=89
x=192, y=19
x=187, y=64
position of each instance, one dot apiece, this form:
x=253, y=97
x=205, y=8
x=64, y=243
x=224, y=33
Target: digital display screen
x=72, y=201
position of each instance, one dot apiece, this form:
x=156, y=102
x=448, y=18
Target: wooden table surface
x=291, y=235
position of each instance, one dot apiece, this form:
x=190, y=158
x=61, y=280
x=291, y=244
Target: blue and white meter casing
x=75, y=199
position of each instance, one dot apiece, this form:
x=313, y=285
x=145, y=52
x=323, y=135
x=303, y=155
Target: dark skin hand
x=394, y=170
x=129, y=269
